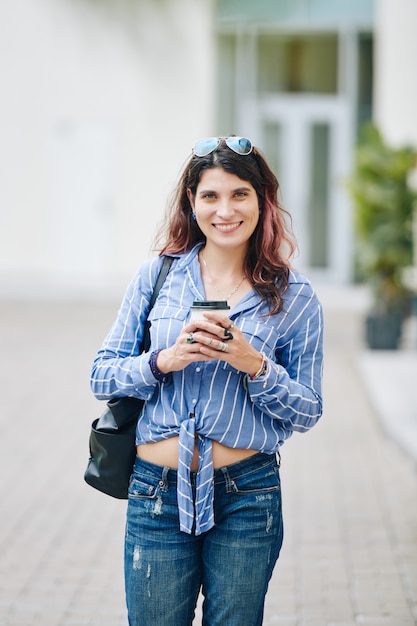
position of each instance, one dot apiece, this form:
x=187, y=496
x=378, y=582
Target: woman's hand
x=212, y=338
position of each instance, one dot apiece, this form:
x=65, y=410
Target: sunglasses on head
x=240, y=145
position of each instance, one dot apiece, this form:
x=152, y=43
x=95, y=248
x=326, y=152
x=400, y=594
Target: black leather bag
x=112, y=435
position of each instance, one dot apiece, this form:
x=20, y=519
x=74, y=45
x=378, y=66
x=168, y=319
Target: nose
x=225, y=209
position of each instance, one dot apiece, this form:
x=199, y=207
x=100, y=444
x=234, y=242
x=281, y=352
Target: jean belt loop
x=164, y=479
x=227, y=479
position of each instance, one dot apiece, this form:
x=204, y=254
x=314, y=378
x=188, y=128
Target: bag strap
x=146, y=340
x=161, y=279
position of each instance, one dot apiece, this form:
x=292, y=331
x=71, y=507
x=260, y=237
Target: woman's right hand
x=182, y=353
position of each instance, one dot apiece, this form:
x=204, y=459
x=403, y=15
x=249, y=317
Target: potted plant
x=384, y=204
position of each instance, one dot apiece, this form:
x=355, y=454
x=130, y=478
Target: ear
x=190, y=198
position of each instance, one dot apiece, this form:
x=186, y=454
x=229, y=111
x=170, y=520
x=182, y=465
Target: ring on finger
x=223, y=347
x=210, y=341
x=190, y=338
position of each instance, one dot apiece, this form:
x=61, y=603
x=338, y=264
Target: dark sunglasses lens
x=205, y=146
x=240, y=145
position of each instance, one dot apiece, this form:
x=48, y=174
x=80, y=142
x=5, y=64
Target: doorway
x=306, y=140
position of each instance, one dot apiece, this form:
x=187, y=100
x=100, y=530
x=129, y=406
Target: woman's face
x=226, y=208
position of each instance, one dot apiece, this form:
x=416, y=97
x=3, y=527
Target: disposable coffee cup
x=217, y=306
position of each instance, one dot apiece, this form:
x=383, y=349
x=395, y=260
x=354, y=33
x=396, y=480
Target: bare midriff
x=166, y=453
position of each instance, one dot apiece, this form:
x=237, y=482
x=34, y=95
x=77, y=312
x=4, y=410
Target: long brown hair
x=271, y=244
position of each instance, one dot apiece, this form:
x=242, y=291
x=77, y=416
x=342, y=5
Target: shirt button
x=198, y=369
x=194, y=400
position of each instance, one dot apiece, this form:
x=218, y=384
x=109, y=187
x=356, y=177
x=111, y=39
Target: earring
x=193, y=216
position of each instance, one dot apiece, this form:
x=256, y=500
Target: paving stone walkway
x=350, y=493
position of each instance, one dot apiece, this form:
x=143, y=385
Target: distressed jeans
x=231, y=564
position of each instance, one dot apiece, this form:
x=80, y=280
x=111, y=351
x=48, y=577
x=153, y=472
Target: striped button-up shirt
x=211, y=400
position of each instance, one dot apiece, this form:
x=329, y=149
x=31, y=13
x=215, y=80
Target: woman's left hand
x=219, y=338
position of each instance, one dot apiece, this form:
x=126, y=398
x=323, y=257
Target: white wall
x=100, y=105
x=395, y=87
x=395, y=70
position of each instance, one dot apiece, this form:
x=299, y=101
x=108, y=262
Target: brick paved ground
x=350, y=494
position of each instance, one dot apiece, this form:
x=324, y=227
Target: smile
x=227, y=227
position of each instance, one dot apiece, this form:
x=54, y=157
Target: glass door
x=296, y=94
x=306, y=141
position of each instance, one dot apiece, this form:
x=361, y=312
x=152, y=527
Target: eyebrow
x=242, y=188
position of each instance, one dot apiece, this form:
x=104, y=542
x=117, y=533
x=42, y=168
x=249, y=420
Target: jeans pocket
x=257, y=482
x=143, y=487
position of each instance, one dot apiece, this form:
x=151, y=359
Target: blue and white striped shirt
x=211, y=399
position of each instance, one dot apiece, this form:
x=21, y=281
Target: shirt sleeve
x=119, y=369
x=291, y=389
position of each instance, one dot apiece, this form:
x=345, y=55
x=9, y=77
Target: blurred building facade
x=298, y=78
x=395, y=87
x=102, y=102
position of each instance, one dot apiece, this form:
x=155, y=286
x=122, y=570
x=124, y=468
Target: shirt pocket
x=167, y=322
x=262, y=335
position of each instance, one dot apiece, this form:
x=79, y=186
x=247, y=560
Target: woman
x=222, y=393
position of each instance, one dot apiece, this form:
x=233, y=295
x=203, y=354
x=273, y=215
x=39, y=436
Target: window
x=297, y=64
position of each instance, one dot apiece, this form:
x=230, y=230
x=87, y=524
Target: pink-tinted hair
x=271, y=245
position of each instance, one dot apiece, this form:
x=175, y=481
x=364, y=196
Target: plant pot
x=383, y=330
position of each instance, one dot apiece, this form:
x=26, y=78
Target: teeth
x=227, y=226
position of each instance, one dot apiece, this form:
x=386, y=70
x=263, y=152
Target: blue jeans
x=232, y=563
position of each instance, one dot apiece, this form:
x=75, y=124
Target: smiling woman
x=222, y=393
x=226, y=210
x=271, y=243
